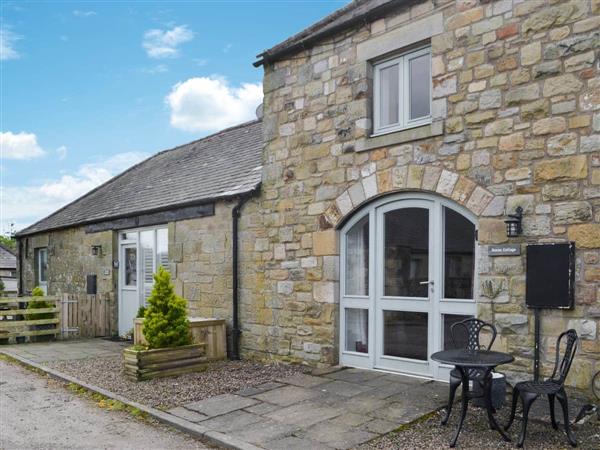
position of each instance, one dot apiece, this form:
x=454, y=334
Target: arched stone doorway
x=407, y=273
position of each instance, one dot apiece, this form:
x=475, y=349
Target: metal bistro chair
x=553, y=387
x=472, y=327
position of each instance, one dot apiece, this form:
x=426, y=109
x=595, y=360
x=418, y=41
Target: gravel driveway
x=219, y=378
x=476, y=434
x=39, y=413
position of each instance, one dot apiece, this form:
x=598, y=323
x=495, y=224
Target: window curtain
x=357, y=259
x=357, y=330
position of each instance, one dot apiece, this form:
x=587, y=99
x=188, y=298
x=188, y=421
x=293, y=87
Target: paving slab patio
x=337, y=410
x=41, y=352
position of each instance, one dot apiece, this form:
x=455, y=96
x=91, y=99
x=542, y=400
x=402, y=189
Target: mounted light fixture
x=96, y=250
x=513, y=223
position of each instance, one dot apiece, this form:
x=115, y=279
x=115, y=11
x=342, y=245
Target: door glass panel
x=357, y=259
x=131, y=266
x=357, y=330
x=389, y=96
x=405, y=334
x=406, y=252
x=460, y=334
x=420, y=82
x=459, y=255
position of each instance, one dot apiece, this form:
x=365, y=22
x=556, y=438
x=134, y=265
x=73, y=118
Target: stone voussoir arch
x=418, y=178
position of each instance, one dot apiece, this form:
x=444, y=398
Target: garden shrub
x=2, y=287
x=141, y=312
x=166, y=323
x=38, y=304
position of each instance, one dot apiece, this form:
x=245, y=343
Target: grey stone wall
x=516, y=121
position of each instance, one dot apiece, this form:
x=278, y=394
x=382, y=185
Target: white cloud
x=19, y=146
x=8, y=40
x=210, y=104
x=164, y=43
x=62, y=152
x=80, y=13
x=25, y=205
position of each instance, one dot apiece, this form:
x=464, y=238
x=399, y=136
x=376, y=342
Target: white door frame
x=123, y=245
x=436, y=305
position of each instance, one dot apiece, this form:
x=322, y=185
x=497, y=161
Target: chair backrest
x=563, y=365
x=472, y=327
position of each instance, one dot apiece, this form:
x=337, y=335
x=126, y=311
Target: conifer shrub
x=38, y=304
x=166, y=323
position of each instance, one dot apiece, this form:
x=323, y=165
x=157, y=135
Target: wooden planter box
x=163, y=362
x=211, y=332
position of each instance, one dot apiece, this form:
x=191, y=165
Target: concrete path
x=339, y=410
x=41, y=352
x=36, y=412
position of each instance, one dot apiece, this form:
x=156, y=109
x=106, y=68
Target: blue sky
x=90, y=88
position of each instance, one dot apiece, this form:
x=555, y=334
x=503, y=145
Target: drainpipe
x=235, y=331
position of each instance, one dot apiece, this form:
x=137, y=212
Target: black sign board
x=550, y=276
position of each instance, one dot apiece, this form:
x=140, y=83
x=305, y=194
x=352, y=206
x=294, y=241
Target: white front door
x=407, y=274
x=129, y=300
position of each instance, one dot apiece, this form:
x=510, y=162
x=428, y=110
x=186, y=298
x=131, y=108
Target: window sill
x=400, y=137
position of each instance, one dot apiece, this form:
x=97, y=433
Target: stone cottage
x=397, y=137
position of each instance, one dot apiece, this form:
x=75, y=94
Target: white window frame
x=404, y=122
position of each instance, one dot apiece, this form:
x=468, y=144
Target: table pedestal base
x=487, y=396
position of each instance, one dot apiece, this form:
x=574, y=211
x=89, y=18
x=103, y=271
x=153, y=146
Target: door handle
x=426, y=282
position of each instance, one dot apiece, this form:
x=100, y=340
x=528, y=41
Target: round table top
x=472, y=358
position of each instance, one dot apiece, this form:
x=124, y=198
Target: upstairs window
x=402, y=97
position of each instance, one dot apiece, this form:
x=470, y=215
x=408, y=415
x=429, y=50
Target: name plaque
x=504, y=250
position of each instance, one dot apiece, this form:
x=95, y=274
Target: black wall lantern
x=97, y=250
x=513, y=223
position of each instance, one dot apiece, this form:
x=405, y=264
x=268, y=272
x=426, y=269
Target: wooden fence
x=16, y=321
x=73, y=316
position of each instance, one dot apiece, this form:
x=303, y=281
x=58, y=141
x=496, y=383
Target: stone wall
x=516, y=116
x=70, y=260
x=200, y=251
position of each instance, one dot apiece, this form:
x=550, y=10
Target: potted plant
x=40, y=304
x=169, y=349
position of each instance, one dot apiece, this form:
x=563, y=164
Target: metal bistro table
x=466, y=361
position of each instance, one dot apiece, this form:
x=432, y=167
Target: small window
x=402, y=96
x=42, y=268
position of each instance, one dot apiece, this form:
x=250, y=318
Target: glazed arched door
x=407, y=274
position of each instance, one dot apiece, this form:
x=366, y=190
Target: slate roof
x=8, y=260
x=356, y=12
x=219, y=166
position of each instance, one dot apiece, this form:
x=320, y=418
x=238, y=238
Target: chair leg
x=527, y=400
x=454, y=384
x=562, y=398
x=551, y=398
x=515, y=398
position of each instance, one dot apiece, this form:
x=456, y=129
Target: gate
x=84, y=316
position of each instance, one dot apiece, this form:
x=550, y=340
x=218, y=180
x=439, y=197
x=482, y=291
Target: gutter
x=235, y=330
